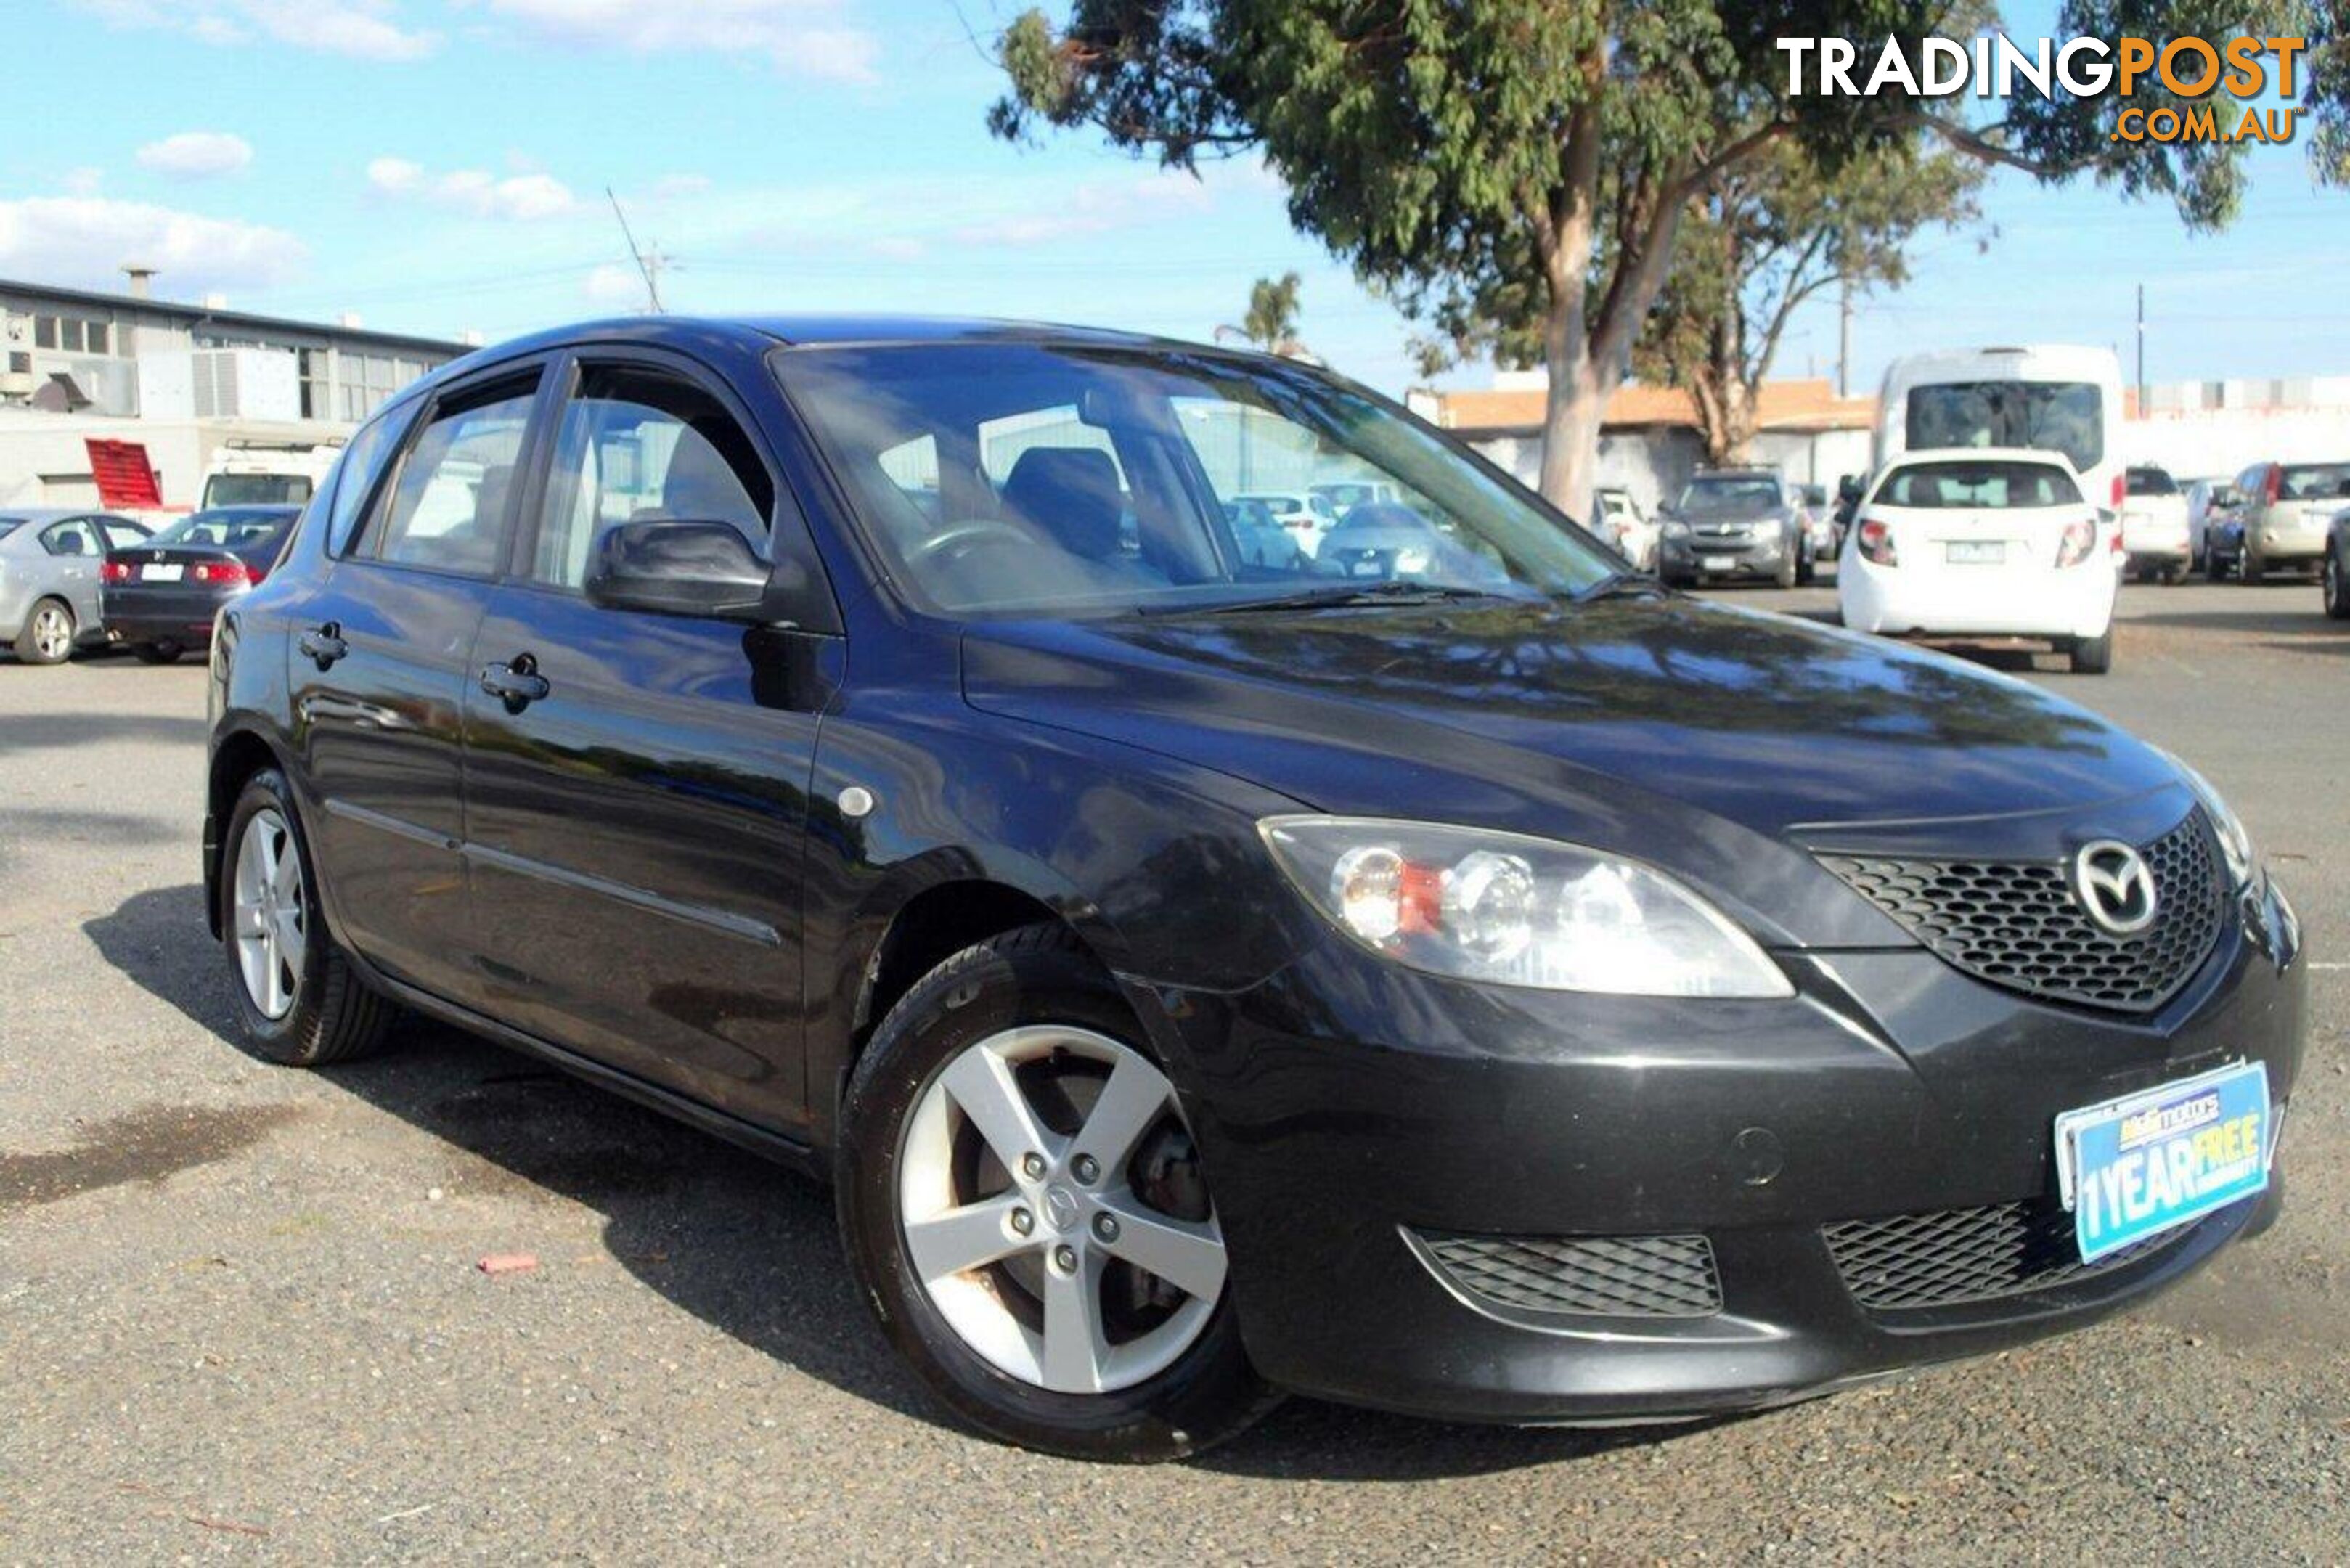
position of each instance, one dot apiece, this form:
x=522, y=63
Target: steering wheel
x=965, y=535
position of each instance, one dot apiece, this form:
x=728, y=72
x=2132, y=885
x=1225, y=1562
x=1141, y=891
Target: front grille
x=1613, y=1276
x=1953, y=1256
x=2018, y=924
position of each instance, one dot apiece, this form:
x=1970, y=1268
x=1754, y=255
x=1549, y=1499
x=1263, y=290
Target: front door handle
x=323, y=645
x=517, y=682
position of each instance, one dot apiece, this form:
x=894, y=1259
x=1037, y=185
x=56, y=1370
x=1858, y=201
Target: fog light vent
x=1607, y=1276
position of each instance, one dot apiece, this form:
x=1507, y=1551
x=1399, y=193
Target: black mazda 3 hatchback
x=1466, y=979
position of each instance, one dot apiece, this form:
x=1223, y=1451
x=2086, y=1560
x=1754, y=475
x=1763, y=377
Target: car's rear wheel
x=1025, y=1208
x=300, y=998
x=2338, y=593
x=158, y=652
x=1789, y=569
x=2092, y=654
x=49, y=633
x=2251, y=566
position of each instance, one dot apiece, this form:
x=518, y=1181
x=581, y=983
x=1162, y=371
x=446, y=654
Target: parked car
x=1623, y=523
x=2287, y=509
x=1343, y=496
x=2333, y=577
x=1735, y=523
x=49, y=560
x=1820, y=531
x=162, y=594
x=1262, y=541
x=1393, y=542
x=1306, y=515
x=1507, y=990
x=2154, y=526
x=1975, y=542
x=2210, y=504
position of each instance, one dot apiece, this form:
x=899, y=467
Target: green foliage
x=1272, y=320
x=1774, y=234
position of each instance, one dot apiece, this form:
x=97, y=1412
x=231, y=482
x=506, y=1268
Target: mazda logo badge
x=2114, y=885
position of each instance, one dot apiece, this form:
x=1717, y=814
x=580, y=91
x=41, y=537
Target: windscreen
x=257, y=490
x=2314, y=481
x=1730, y=491
x=1041, y=479
x=241, y=532
x=1981, y=486
x=2053, y=416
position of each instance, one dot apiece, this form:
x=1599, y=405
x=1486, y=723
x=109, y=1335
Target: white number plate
x=1718, y=563
x=1976, y=552
x=161, y=571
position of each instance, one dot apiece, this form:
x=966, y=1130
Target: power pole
x=649, y=263
x=2141, y=350
x=1843, y=338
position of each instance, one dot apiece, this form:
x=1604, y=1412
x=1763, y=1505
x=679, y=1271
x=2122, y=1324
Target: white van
x=2046, y=397
x=251, y=471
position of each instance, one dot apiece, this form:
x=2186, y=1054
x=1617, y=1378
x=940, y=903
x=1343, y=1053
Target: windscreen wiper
x=1357, y=596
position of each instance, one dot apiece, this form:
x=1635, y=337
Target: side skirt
x=761, y=1141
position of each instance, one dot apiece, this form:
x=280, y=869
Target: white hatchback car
x=1981, y=542
x=1306, y=514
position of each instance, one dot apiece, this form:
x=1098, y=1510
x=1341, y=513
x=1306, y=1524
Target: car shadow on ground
x=747, y=1247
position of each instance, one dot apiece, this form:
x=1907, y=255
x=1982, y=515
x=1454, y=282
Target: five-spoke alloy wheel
x=1025, y=1205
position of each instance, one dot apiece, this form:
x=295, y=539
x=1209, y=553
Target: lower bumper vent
x=1610, y=1276
x=1952, y=1256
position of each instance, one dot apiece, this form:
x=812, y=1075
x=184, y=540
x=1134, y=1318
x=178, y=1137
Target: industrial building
x=197, y=388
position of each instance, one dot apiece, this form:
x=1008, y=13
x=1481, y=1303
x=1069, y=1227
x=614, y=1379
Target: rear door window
x=74, y=536
x=448, y=507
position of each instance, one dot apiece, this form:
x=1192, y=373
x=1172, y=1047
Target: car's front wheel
x=2337, y=592
x=298, y=995
x=1024, y=1206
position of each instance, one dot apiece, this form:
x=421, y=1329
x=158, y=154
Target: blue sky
x=440, y=165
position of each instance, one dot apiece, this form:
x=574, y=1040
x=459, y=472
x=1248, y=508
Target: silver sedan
x=49, y=560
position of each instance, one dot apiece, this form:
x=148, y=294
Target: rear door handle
x=517, y=682
x=323, y=645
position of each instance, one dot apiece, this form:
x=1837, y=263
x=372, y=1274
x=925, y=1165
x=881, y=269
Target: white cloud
x=613, y=285
x=670, y=187
x=82, y=181
x=363, y=29
x=195, y=154
x=1090, y=209
x=84, y=241
x=476, y=192
x=802, y=38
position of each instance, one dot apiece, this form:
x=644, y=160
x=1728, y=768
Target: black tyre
x=2215, y=566
x=2092, y=654
x=2250, y=566
x=158, y=652
x=1003, y=1250
x=1789, y=568
x=2337, y=592
x=299, y=999
x=49, y=633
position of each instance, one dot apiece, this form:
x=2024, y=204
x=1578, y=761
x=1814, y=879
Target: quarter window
x=73, y=538
x=355, y=476
x=447, y=509
x=639, y=445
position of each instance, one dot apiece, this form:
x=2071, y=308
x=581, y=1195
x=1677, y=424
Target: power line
x=649, y=263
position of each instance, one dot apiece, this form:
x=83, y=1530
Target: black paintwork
x=635, y=863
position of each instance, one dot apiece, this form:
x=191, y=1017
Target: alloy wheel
x=272, y=928
x=53, y=632
x=1050, y=1199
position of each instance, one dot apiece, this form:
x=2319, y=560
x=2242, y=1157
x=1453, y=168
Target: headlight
x=2235, y=843
x=1676, y=530
x=1514, y=911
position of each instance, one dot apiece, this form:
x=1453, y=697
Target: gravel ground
x=239, y=1315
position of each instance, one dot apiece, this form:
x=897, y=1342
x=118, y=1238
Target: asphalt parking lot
x=240, y=1314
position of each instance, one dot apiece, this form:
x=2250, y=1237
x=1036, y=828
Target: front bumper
x=1350, y=1111
x=1700, y=557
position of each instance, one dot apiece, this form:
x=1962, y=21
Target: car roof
x=2048, y=456
x=51, y=514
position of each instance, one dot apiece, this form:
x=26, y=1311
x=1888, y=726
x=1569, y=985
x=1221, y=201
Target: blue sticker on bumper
x=2133, y=1167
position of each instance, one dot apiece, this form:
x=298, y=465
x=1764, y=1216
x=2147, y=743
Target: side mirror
x=703, y=569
